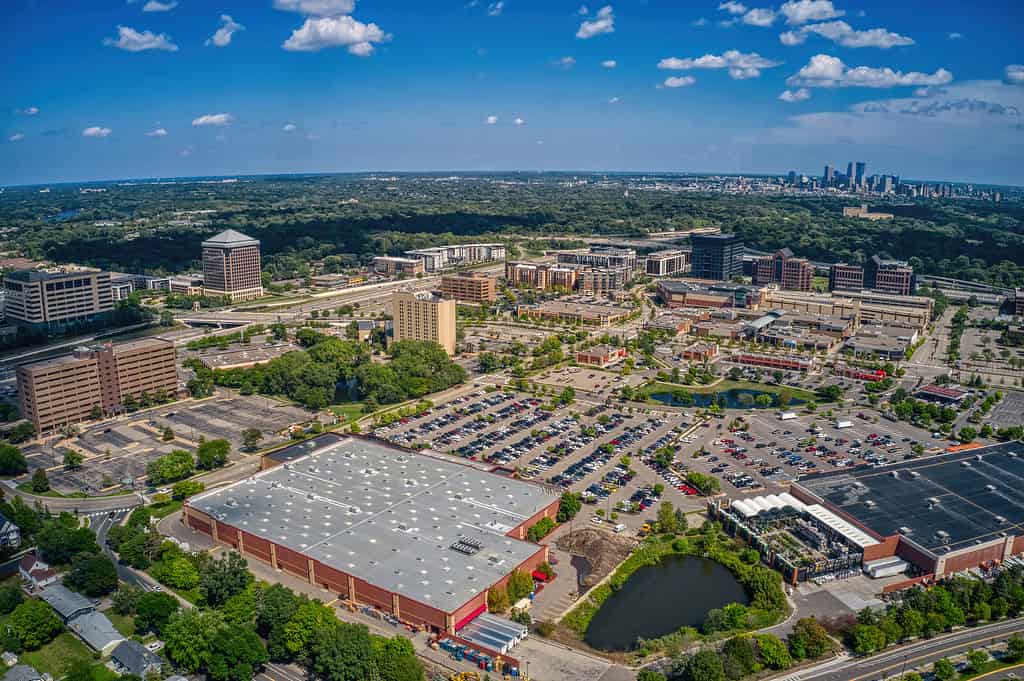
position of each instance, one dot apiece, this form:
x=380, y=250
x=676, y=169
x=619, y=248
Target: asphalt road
x=917, y=654
x=80, y=505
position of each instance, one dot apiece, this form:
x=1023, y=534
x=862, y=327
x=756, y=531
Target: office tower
x=842, y=276
x=231, y=266
x=66, y=390
x=424, y=316
x=470, y=287
x=667, y=263
x=53, y=299
x=716, y=256
x=849, y=175
x=792, y=178
x=889, y=276
x=887, y=184
x=782, y=268
x=829, y=176
x=859, y=179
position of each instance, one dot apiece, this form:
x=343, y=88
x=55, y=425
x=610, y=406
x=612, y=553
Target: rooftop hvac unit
x=1012, y=454
x=965, y=464
x=230, y=502
x=990, y=488
x=978, y=457
x=933, y=501
x=869, y=503
x=894, y=474
x=915, y=474
x=905, y=530
x=1000, y=519
x=942, y=534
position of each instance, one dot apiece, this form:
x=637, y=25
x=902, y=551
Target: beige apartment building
x=231, y=266
x=65, y=390
x=424, y=316
x=392, y=265
x=50, y=299
x=470, y=287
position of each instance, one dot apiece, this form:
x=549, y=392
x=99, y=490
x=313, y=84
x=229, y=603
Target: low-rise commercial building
x=884, y=342
x=667, y=263
x=783, y=362
x=943, y=394
x=245, y=357
x=783, y=268
x=575, y=312
x=186, y=285
x=701, y=352
x=863, y=212
x=393, y=265
x=889, y=276
x=676, y=294
x=54, y=299
x=601, y=257
x=542, y=276
x=327, y=512
x=65, y=390
x=470, y=287
x=601, y=355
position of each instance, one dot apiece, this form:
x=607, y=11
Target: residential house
x=35, y=572
x=10, y=535
x=66, y=603
x=97, y=631
x=132, y=657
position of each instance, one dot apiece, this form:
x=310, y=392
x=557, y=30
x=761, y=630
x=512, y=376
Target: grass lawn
x=165, y=508
x=123, y=623
x=348, y=411
x=56, y=655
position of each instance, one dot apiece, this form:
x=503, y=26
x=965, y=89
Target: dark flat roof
x=970, y=498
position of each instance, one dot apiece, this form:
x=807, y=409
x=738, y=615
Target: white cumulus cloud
x=679, y=81
x=583, y=11
x=565, y=62
x=157, y=6
x=614, y=100
x=289, y=127
x=759, y=16
x=795, y=95
x=827, y=71
x=28, y=111
x=228, y=28
x=801, y=11
x=741, y=66
x=1014, y=74
x=519, y=121
x=603, y=22
x=494, y=9
x=213, y=119
x=96, y=131
x=843, y=34
x=955, y=36
x=609, y=63
x=317, y=8
x=733, y=7
x=157, y=132
x=342, y=31
x=16, y=137
x=130, y=40
x=491, y=120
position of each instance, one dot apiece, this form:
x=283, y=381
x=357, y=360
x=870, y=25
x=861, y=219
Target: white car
x=596, y=520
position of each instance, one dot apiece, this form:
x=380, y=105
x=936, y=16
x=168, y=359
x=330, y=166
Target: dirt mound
x=602, y=550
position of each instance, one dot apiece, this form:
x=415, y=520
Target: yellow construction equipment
x=464, y=676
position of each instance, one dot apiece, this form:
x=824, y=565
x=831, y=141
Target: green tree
x=10, y=597
x=188, y=635
x=497, y=600
x=738, y=657
x=153, y=610
x=275, y=606
x=212, y=454
x=251, y=438
x=73, y=460
x=12, y=461
x=569, y=505
x=170, y=467
x=223, y=578
x=866, y=638
x=181, y=574
x=92, y=574
x=167, y=434
x=59, y=540
x=40, y=483
x=34, y=623
x=967, y=434
x=395, y=659
x=310, y=619
x=944, y=670
x=236, y=654
x=520, y=585
x=1015, y=647
x=705, y=666
x=666, y=517
x=773, y=652
x=978, y=660
x=341, y=652
x=240, y=609
x=186, y=488
x=808, y=640
x=650, y=675
x=126, y=599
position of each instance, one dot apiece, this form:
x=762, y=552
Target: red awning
x=470, y=617
x=540, y=576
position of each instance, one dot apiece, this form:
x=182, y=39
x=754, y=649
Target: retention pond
x=659, y=599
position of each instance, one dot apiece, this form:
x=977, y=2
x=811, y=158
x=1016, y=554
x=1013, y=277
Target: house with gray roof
x=132, y=657
x=22, y=672
x=97, y=631
x=10, y=535
x=65, y=602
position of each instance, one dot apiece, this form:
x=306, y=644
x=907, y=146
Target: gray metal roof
x=136, y=657
x=96, y=630
x=22, y=672
x=231, y=239
x=388, y=516
x=65, y=601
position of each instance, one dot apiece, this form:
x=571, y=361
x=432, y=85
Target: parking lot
x=116, y=453
x=589, y=379
x=769, y=451
x=1009, y=411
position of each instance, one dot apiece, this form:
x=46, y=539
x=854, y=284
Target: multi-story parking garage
x=943, y=514
x=416, y=536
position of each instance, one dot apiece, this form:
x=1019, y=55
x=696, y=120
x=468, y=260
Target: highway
x=919, y=654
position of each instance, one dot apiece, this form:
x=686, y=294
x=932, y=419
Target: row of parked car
x=453, y=413
x=487, y=440
x=512, y=452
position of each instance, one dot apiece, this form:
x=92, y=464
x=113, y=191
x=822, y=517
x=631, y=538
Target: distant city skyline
x=116, y=89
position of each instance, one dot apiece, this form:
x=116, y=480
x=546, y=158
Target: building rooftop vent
x=990, y=488
x=915, y=474
x=869, y=503
x=965, y=464
x=933, y=501
x=894, y=474
x=1000, y=519
x=905, y=530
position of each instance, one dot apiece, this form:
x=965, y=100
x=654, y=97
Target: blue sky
x=925, y=89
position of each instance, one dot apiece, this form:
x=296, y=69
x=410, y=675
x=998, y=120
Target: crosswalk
x=101, y=514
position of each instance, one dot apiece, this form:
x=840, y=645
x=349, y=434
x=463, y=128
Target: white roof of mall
x=775, y=502
x=388, y=516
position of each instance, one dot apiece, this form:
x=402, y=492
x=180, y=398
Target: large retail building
x=417, y=536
